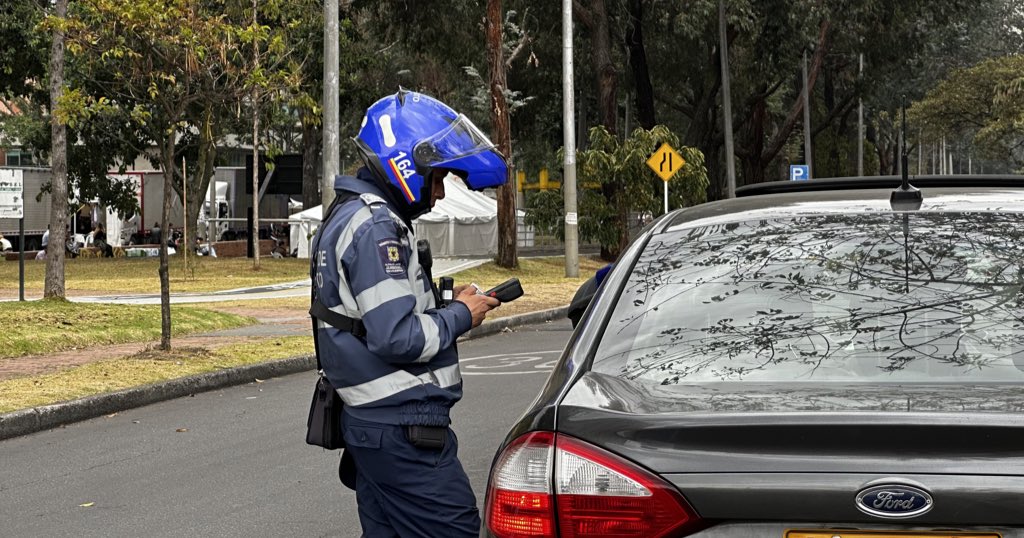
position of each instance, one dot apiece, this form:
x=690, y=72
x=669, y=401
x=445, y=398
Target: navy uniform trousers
x=405, y=491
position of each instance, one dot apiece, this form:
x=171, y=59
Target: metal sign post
x=21, y=259
x=12, y=206
x=666, y=162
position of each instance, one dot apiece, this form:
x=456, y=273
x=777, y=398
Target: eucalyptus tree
x=53, y=286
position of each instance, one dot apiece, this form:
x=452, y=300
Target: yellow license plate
x=884, y=534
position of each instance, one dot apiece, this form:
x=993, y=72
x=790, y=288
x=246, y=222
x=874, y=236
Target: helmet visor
x=459, y=139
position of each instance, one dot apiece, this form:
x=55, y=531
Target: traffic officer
x=390, y=351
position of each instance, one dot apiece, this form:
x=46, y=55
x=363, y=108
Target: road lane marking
x=531, y=362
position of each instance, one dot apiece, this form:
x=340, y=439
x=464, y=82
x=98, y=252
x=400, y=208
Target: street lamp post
x=572, y=263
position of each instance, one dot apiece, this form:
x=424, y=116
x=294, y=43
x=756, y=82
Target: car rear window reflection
x=882, y=297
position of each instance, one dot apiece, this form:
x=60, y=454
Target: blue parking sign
x=799, y=172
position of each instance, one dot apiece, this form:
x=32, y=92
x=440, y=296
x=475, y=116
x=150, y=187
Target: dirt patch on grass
x=30, y=365
x=265, y=315
x=174, y=354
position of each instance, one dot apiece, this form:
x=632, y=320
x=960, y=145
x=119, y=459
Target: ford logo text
x=894, y=501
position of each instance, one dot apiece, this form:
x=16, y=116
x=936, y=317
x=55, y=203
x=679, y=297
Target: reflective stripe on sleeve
x=382, y=292
x=396, y=382
x=431, y=337
x=348, y=306
x=424, y=299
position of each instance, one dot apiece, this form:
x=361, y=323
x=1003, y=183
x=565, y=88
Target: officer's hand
x=478, y=304
x=459, y=289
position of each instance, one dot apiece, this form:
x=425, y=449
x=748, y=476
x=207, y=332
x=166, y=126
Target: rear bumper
x=778, y=530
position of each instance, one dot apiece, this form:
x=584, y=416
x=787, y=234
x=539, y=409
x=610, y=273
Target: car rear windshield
x=880, y=297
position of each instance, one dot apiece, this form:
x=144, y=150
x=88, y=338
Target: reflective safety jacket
x=365, y=266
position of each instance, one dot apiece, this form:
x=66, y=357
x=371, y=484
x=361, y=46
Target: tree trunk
x=638, y=61
x=199, y=183
x=205, y=174
x=311, y=139
x=750, y=160
x=607, y=80
x=54, y=283
x=604, y=68
x=507, y=229
x=778, y=141
x=704, y=131
x=255, y=152
x=255, y=239
x=167, y=150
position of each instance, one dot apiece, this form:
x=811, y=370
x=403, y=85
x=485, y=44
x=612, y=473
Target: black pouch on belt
x=428, y=437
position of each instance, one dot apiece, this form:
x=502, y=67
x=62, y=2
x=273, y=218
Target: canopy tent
x=302, y=225
x=464, y=223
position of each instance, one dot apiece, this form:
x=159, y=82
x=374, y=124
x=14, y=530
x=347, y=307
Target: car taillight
x=543, y=481
x=519, y=502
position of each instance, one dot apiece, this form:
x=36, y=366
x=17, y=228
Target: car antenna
x=906, y=197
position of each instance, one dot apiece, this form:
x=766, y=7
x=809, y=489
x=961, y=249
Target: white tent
x=302, y=225
x=464, y=223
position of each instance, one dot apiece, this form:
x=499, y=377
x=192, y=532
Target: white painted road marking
x=533, y=362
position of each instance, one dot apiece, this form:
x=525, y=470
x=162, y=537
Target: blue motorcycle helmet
x=406, y=136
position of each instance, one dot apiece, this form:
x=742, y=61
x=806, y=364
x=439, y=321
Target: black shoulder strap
x=319, y=311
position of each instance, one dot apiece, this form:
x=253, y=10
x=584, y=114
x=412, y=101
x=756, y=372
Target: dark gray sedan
x=804, y=364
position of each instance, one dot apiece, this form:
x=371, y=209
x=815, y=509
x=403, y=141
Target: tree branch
x=523, y=41
x=681, y=108
x=583, y=14
x=844, y=106
x=779, y=140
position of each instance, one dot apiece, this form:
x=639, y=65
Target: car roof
x=853, y=195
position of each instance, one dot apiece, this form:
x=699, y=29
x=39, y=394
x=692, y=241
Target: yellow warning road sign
x=665, y=162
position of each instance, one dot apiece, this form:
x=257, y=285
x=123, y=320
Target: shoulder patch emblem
x=371, y=199
x=392, y=257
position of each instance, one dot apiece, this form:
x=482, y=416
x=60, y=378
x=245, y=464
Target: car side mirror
x=582, y=299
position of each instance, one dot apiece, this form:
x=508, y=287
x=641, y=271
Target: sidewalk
x=272, y=323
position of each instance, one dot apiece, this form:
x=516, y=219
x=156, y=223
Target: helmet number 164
x=403, y=164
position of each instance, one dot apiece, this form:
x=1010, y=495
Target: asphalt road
x=234, y=462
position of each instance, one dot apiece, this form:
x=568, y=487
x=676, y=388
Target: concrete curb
x=36, y=419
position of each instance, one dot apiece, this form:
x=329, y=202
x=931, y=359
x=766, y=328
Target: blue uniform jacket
x=365, y=266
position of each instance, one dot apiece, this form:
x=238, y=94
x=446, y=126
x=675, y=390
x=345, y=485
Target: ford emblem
x=894, y=501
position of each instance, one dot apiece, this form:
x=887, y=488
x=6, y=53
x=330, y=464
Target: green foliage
x=982, y=103
x=620, y=167
x=23, y=50
x=544, y=211
x=106, y=141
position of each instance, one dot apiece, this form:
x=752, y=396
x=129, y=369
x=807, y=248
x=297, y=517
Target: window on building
x=18, y=157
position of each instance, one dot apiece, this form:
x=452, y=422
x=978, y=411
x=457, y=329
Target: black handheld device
x=446, y=285
x=508, y=290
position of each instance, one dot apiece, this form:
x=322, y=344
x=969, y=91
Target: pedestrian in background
x=386, y=345
x=99, y=240
x=154, y=234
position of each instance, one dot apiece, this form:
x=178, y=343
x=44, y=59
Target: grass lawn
x=140, y=275
x=145, y=368
x=50, y=326
x=45, y=326
x=543, y=279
